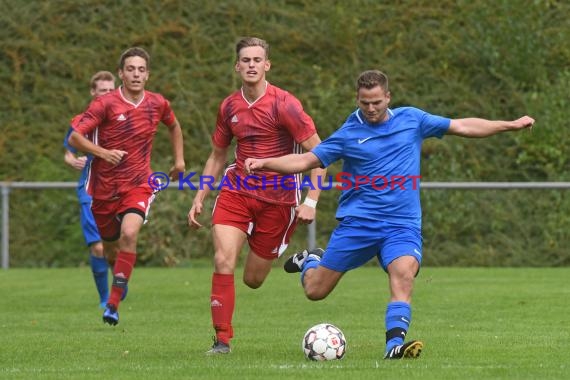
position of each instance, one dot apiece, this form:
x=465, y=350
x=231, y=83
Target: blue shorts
x=88, y=225
x=355, y=241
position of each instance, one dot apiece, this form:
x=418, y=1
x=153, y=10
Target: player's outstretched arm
x=306, y=211
x=289, y=164
x=476, y=127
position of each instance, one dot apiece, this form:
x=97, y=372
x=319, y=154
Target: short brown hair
x=252, y=41
x=134, y=52
x=101, y=75
x=372, y=78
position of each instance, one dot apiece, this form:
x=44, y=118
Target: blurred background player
x=266, y=122
x=101, y=83
x=124, y=123
x=376, y=220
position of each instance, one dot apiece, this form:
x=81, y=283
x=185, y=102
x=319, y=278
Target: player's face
x=134, y=74
x=252, y=64
x=373, y=104
x=102, y=87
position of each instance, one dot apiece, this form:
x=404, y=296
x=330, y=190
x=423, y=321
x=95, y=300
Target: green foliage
x=492, y=59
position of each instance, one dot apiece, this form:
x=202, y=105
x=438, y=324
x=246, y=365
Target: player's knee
x=315, y=293
x=224, y=263
x=129, y=235
x=253, y=279
x=252, y=283
x=97, y=249
x=408, y=279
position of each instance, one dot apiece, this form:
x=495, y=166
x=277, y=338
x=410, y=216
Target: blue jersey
x=81, y=192
x=381, y=164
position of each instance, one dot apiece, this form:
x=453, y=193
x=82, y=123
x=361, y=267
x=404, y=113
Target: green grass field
x=476, y=323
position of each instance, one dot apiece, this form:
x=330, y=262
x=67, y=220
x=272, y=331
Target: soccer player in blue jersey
x=379, y=209
x=101, y=83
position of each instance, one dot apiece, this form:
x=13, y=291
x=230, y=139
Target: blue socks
x=398, y=318
x=100, y=270
x=310, y=262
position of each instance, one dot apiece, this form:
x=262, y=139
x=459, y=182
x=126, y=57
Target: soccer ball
x=324, y=341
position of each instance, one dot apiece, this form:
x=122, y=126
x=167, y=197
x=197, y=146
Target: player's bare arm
x=306, y=211
x=77, y=163
x=214, y=166
x=475, y=127
x=288, y=164
x=81, y=143
x=176, y=140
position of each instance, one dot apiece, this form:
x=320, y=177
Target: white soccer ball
x=324, y=341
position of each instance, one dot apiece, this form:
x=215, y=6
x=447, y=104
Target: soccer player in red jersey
x=101, y=82
x=123, y=124
x=266, y=121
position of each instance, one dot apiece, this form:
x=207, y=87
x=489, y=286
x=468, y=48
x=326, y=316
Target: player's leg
x=131, y=224
x=109, y=229
x=97, y=261
x=132, y=211
x=256, y=269
x=401, y=251
x=100, y=270
x=269, y=238
x=111, y=250
x=351, y=245
x=231, y=221
x=319, y=281
x=228, y=242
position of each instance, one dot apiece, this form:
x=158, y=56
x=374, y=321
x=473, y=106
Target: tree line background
x=493, y=59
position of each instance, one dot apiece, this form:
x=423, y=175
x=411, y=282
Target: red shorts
x=108, y=214
x=268, y=226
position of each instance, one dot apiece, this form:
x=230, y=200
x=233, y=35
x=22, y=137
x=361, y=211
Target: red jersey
x=116, y=123
x=272, y=126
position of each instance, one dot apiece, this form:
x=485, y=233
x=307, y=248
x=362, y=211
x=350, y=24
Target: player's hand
x=252, y=164
x=305, y=214
x=113, y=156
x=179, y=167
x=194, y=212
x=79, y=162
x=524, y=122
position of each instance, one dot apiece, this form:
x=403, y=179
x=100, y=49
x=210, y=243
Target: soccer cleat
x=408, y=350
x=295, y=263
x=111, y=315
x=219, y=348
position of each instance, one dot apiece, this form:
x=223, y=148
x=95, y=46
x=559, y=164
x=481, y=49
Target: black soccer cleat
x=294, y=264
x=111, y=315
x=409, y=350
x=219, y=348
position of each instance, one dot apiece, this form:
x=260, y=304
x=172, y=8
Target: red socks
x=124, y=265
x=222, y=303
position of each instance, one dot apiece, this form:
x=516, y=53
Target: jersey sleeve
x=66, y=144
x=331, y=149
x=91, y=118
x=168, y=116
x=432, y=125
x=222, y=136
x=294, y=118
